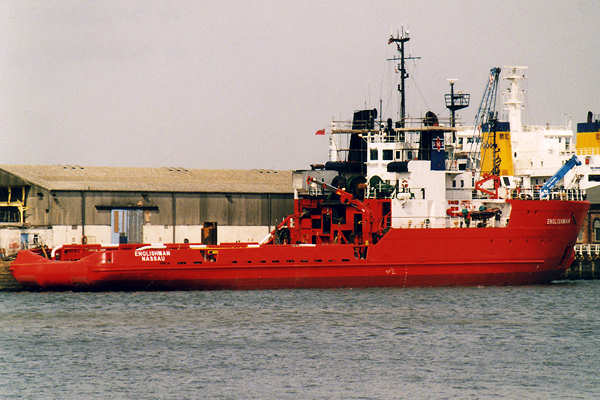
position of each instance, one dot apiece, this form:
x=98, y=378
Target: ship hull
x=536, y=247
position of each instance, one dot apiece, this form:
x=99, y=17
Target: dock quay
x=586, y=264
x=7, y=281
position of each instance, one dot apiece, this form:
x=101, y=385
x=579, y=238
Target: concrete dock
x=586, y=264
x=7, y=281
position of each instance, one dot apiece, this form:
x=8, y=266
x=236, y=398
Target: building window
x=13, y=207
x=374, y=155
x=596, y=227
x=388, y=155
x=10, y=214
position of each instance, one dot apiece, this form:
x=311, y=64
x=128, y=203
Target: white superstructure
x=536, y=151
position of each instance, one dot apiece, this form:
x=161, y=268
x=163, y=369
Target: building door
x=126, y=226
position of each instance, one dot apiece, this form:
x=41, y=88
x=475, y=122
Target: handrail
x=588, y=151
x=588, y=249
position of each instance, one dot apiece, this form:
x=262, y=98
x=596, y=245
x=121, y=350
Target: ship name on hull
x=558, y=221
x=153, y=255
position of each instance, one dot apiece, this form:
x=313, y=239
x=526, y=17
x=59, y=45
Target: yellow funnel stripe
x=505, y=153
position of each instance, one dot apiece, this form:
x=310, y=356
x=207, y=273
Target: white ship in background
x=531, y=154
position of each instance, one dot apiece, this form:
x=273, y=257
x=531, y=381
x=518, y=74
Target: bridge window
x=374, y=154
x=388, y=155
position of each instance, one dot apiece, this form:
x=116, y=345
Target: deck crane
x=570, y=164
x=487, y=117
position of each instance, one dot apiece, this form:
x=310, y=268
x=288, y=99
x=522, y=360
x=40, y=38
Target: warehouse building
x=590, y=232
x=56, y=204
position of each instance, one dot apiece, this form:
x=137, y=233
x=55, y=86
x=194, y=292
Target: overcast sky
x=245, y=84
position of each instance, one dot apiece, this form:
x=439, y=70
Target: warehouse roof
x=165, y=179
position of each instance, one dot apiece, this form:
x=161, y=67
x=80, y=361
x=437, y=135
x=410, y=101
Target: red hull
x=535, y=247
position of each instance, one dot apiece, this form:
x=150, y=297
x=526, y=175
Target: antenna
x=400, y=39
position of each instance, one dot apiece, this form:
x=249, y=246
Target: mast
x=400, y=39
x=455, y=101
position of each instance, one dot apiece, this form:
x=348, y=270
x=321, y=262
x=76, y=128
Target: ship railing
x=408, y=122
x=404, y=194
x=535, y=194
x=315, y=191
x=457, y=221
x=588, y=151
x=567, y=151
x=419, y=222
x=561, y=128
x=568, y=194
x=587, y=250
x=379, y=130
x=555, y=194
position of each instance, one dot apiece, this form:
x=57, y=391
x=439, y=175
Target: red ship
x=397, y=211
x=535, y=247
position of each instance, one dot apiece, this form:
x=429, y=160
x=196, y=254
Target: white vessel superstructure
x=535, y=152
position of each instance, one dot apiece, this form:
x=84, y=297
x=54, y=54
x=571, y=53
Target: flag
x=320, y=132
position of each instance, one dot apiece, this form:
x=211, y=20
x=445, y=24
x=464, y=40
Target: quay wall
x=7, y=281
x=586, y=264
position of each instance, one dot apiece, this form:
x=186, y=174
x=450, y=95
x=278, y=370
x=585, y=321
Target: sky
x=245, y=84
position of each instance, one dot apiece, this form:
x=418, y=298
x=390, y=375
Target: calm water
x=508, y=342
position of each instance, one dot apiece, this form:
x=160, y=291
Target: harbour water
x=489, y=342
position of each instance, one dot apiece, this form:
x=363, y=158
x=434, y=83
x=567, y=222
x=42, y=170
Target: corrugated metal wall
x=65, y=207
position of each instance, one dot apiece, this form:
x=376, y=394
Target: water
x=505, y=342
